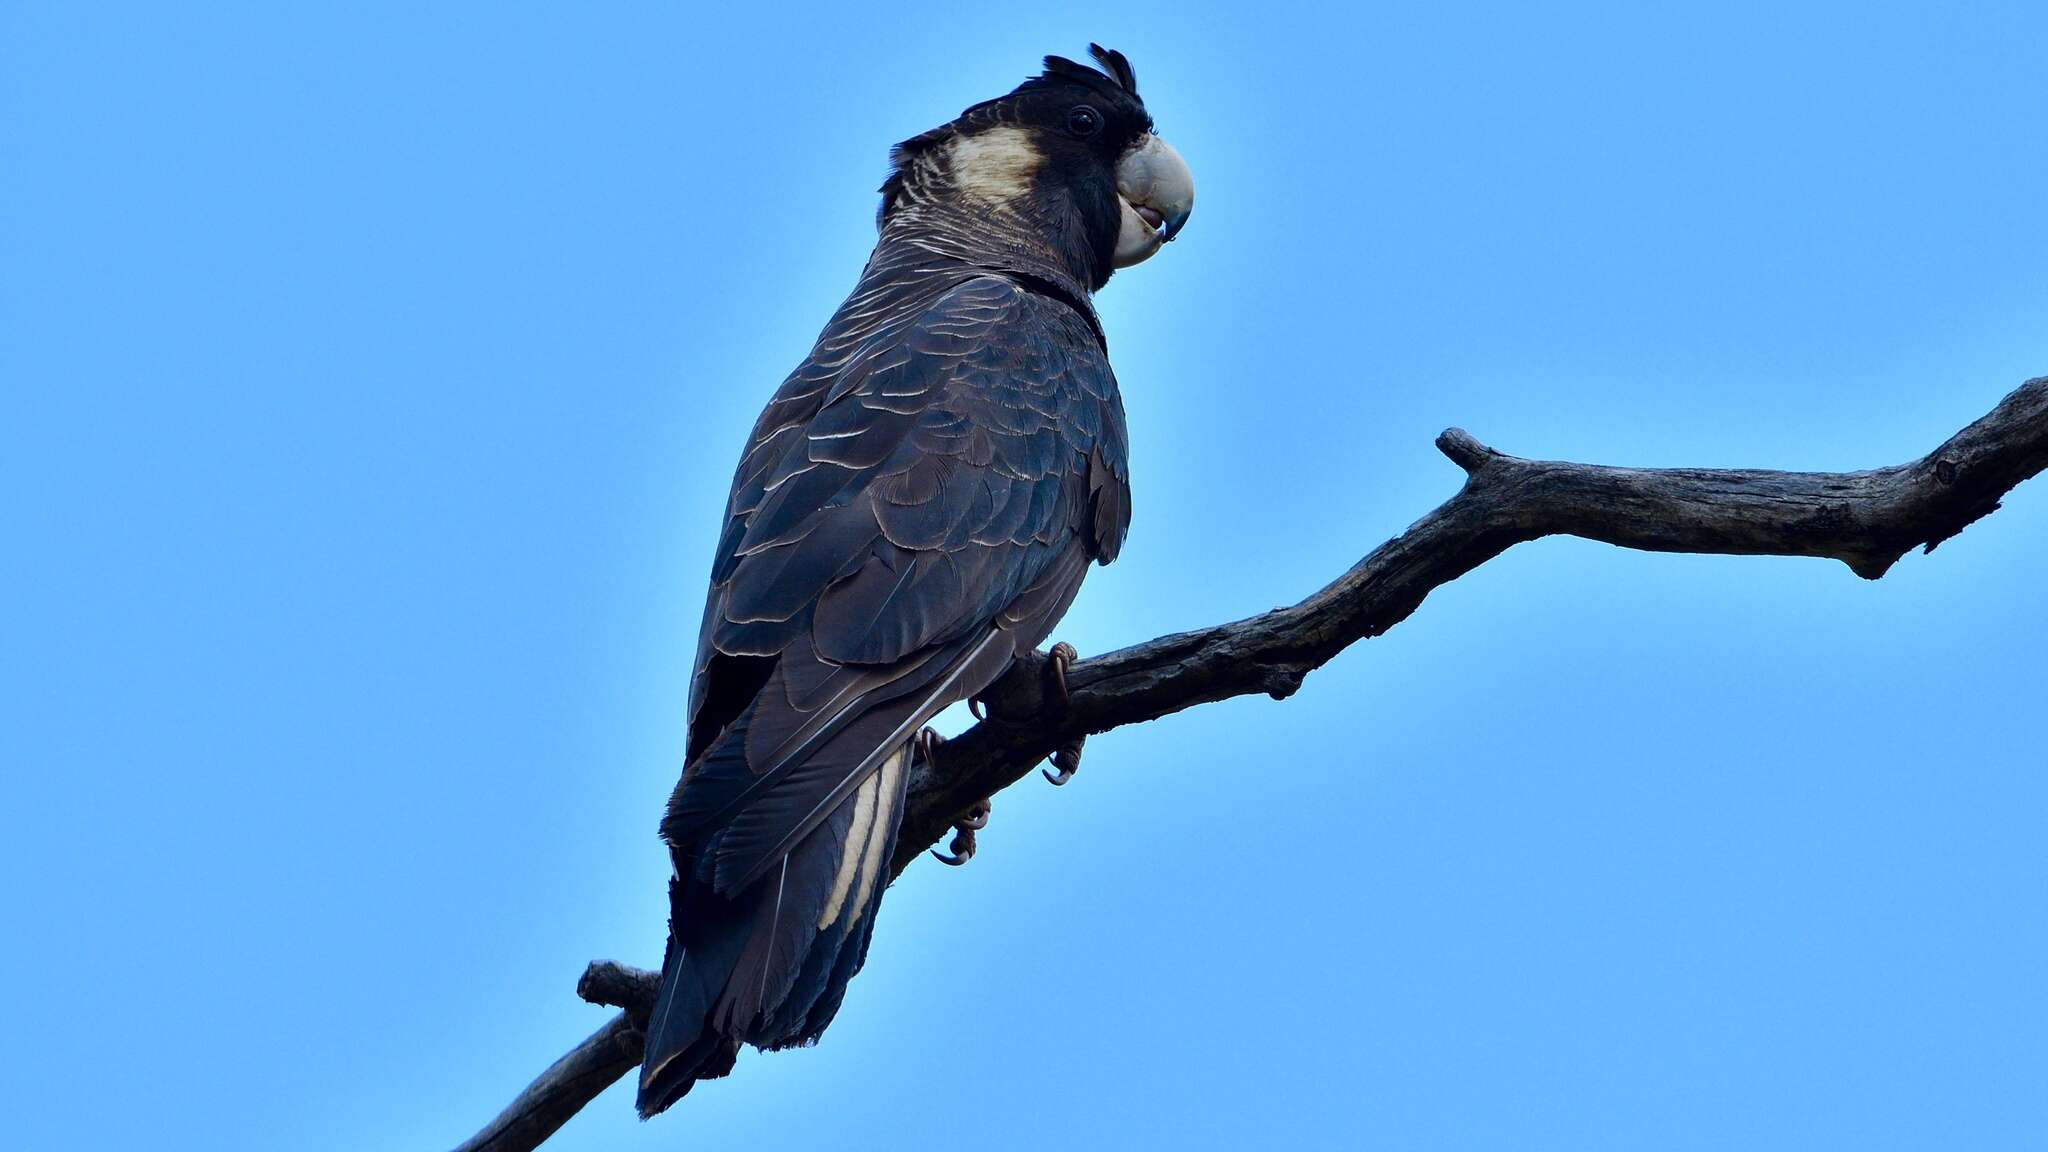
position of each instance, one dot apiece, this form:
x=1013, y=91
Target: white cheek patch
x=997, y=165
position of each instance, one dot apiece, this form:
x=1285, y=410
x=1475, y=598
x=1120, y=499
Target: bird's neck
x=1031, y=241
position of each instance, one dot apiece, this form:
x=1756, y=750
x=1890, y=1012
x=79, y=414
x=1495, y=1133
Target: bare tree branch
x=1867, y=520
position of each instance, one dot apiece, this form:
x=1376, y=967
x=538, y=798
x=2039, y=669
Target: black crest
x=1113, y=63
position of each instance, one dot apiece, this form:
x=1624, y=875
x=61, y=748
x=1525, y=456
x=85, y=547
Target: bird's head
x=1067, y=159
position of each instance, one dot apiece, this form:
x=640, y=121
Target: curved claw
x=962, y=848
x=1063, y=655
x=927, y=742
x=976, y=708
x=1068, y=761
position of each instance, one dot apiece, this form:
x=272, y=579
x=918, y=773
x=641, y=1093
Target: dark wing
x=901, y=500
x=919, y=503
x=916, y=507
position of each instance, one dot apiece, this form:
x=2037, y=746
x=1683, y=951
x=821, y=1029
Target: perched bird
x=916, y=508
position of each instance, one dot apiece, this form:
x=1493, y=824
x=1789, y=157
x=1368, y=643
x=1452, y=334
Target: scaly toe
x=962, y=849
x=1063, y=657
x=926, y=743
x=1068, y=761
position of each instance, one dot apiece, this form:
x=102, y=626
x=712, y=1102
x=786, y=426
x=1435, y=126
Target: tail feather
x=841, y=944
x=769, y=966
x=680, y=1049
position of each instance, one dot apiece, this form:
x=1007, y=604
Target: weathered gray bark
x=1867, y=520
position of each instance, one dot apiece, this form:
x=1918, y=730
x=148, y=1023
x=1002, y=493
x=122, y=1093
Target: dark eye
x=1084, y=121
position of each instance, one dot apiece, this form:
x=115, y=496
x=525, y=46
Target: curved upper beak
x=1157, y=193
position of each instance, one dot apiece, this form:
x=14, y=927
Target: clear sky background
x=374, y=378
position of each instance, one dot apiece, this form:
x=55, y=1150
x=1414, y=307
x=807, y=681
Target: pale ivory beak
x=1157, y=192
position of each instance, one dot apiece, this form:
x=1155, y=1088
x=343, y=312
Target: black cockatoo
x=916, y=507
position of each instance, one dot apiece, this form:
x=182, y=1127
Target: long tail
x=769, y=965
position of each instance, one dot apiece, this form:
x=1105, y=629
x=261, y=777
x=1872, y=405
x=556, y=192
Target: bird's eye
x=1084, y=121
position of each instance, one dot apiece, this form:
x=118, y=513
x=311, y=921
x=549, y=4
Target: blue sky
x=375, y=377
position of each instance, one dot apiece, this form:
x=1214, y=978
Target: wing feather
x=919, y=503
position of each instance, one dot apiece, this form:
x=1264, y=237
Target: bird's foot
x=962, y=848
x=926, y=745
x=1012, y=705
x=1063, y=656
x=1053, y=701
x=1067, y=760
